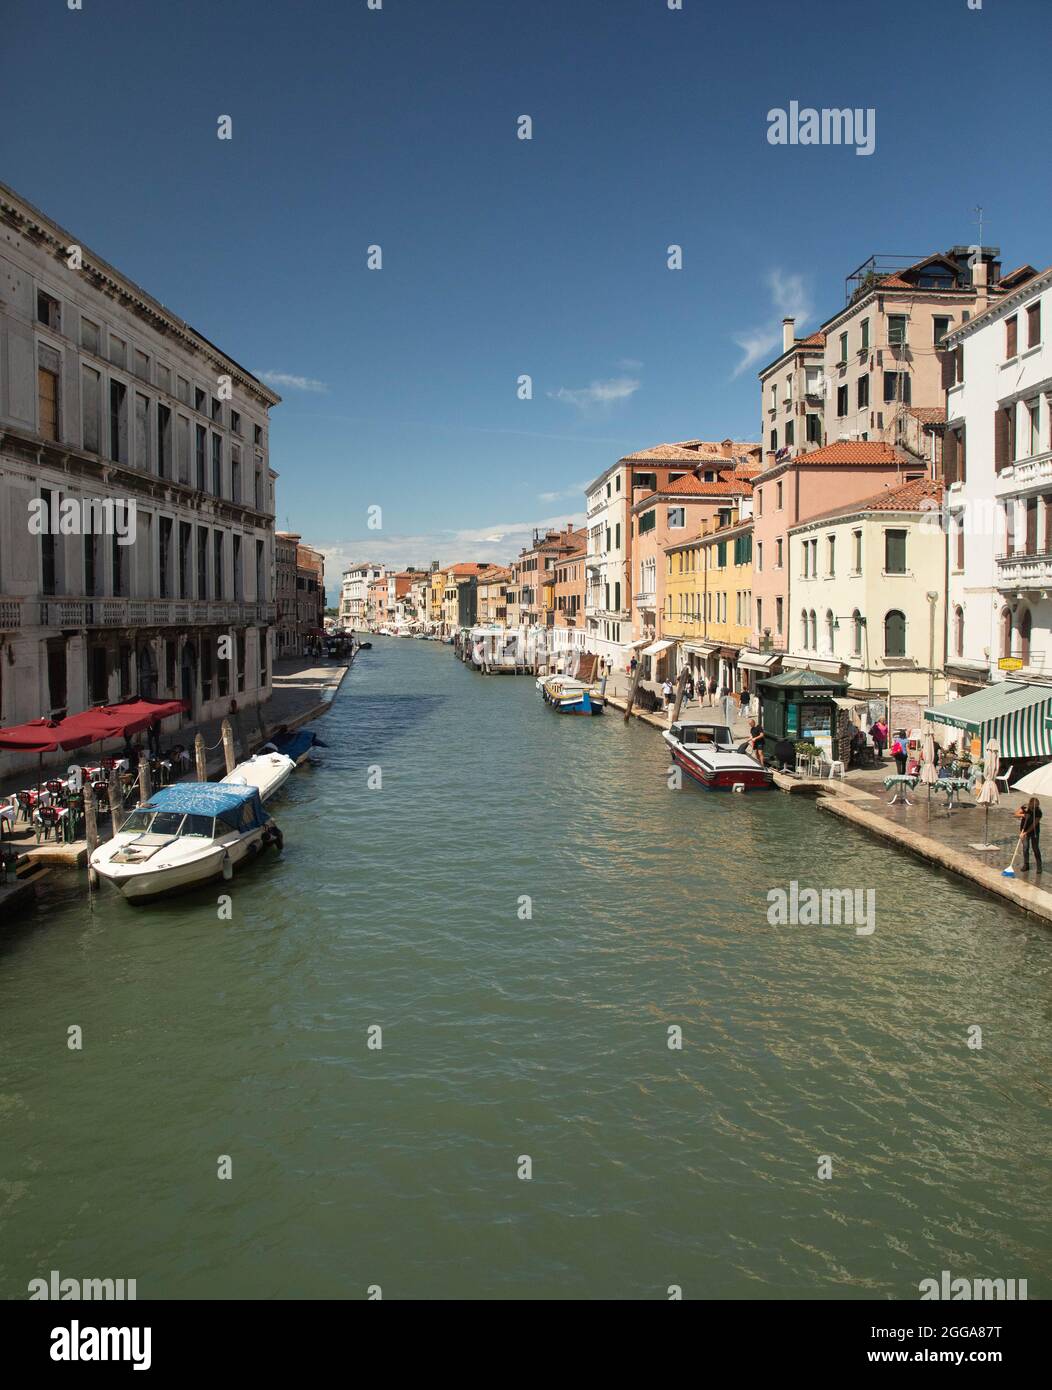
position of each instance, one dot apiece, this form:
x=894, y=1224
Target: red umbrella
x=46, y=735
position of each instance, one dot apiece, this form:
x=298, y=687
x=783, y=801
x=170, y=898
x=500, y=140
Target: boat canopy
x=235, y=803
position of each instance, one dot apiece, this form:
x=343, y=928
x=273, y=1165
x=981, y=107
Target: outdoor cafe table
x=952, y=786
x=901, y=785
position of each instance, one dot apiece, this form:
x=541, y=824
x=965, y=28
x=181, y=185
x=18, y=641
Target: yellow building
x=708, y=599
x=436, y=596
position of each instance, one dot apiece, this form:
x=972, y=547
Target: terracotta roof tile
x=928, y=414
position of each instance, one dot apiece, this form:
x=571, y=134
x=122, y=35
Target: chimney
x=788, y=333
x=981, y=284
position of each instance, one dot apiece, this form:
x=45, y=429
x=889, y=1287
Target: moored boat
x=570, y=696
x=296, y=744
x=707, y=753
x=267, y=771
x=185, y=835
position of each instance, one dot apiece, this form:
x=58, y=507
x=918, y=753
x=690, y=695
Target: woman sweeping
x=1030, y=832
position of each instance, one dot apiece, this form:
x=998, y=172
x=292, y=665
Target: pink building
x=796, y=490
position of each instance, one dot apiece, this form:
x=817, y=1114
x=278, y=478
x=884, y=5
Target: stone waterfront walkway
x=303, y=689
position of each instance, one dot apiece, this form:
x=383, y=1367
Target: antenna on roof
x=979, y=215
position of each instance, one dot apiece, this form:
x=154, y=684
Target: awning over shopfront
x=1013, y=712
x=126, y=717
x=758, y=661
x=811, y=663
x=656, y=648
x=639, y=642
x=728, y=653
x=843, y=702
x=700, y=648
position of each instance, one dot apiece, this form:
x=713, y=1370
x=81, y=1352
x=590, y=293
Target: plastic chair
x=1005, y=777
x=836, y=769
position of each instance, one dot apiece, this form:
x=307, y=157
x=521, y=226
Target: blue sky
x=397, y=127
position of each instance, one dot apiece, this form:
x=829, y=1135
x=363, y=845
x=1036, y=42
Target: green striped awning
x=1016, y=714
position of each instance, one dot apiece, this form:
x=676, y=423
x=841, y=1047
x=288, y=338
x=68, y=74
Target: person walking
x=879, y=734
x=1030, y=832
x=713, y=687
x=688, y=687
x=667, y=692
x=743, y=702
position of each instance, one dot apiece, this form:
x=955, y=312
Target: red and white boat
x=707, y=753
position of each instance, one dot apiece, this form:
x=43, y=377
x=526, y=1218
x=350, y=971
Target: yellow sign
x=1010, y=663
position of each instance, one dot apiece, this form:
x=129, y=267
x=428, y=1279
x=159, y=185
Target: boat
x=570, y=696
x=267, y=771
x=186, y=835
x=707, y=753
x=296, y=745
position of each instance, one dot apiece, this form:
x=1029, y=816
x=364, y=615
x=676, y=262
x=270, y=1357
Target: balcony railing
x=125, y=612
x=1025, y=571
x=10, y=613
x=1029, y=471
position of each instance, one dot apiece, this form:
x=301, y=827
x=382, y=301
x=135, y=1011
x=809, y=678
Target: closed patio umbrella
x=929, y=773
x=988, y=794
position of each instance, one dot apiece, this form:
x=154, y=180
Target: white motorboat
x=707, y=753
x=186, y=835
x=267, y=772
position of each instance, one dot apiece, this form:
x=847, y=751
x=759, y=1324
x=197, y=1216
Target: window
x=217, y=571
x=830, y=632
x=1006, y=632
x=759, y=501
x=183, y=390
x=199, y=400
x=48, y=311
x=778, y=610
x=141, y=365
x=843, y=350
x=164, y=553
x=897, y=330
x=778, y=554
x=940, y=326
x=47, y=391
x=1024, y=637
x=759, y=556
x=958, y=630
x=841, y=400
x=895, y=634
x=814, y=430
x=790, y=433
x=959, y=547
x=235, y=473
x=865, y=335
x=778, y=496
x=164, y=442
x=217, y=410
x=257, y=437
x=856, y=552
x=1033, y=324
x=89, y=336
x=91, y=409
x=1033, y=420
x=647, y=522
x=774, y=441
x=856, y=632
x=831, y=557
x=48, y=548
x=1004, y=438
x=117, y=347
x=142, y=432
x=863, y=392
x=814, y=631
x=235, y=422
x=199, y=456
x=118, y=422
x=897, y=387
x=677, y=518
x=894, y=552
x=217, y=465
x=1012, y=336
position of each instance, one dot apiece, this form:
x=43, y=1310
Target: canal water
x=515, y=1030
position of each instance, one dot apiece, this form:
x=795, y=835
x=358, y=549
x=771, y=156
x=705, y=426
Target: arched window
x=1006, y=632
x=1024, y=637
x=958, y=630
x=814, y=631
x=830, y=632
x=895, y=633
x=803, y=631
x=856, y=630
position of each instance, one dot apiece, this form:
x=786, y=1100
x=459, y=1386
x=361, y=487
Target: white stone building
x=607, y=597
x=997, y=461
x=354, y=592
x=107, y=398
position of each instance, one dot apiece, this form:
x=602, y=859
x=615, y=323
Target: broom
x=1010, y=871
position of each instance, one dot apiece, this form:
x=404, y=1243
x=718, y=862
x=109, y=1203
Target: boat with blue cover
x=570, y=696
x=296, y=744
x=186, y=835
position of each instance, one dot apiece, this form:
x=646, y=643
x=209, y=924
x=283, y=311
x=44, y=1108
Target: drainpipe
x=933, y=599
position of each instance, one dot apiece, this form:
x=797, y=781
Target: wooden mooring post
x=681, y=684
x=228, y=747
x=116, y=802
x=632, y=689
x=145, y=784
x=91, y=829
x=199, y=758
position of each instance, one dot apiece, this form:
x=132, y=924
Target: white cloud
x=598, y=393
x=574, y=490
x=790, y=299
x=284, y=381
